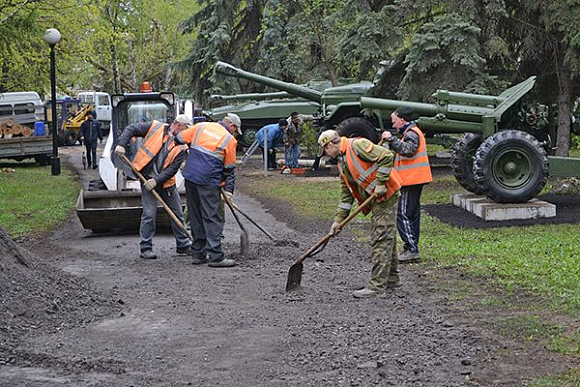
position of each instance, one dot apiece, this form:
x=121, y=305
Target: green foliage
x=33, y=200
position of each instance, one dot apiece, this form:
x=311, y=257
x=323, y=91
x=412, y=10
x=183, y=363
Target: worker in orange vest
x=210, y=166
x=412, y=163
x=158, y=159
x=366, y=168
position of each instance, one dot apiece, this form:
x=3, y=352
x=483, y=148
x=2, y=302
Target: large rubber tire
x=358, y=127
x=42, y=160
x=462, y=161
x=70, y=137
x=511, y=167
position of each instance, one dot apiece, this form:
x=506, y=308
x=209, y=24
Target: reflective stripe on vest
x=151, y=145
x=414, y=169
x=174, y=151
x=218, y=152
x=364, y=173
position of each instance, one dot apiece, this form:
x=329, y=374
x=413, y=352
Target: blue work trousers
x=409, y=216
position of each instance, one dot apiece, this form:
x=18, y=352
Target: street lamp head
x=52, y=36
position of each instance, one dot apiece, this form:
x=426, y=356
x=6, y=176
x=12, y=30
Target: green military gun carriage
x=339, y=105
x=503, y=151
x=259, y=109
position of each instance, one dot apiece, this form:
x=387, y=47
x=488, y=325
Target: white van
x=24, y=107
x=101, y=105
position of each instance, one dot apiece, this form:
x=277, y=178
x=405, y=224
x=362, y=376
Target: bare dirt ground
x=123, y=321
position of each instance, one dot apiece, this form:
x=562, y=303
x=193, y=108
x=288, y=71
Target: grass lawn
x=32, y=199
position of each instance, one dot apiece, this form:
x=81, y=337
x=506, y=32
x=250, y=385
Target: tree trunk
x=116, y=78
x=564, y=108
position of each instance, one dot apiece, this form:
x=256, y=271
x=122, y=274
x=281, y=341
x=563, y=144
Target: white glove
x=229, y=196
x=380, y=190
x=335, y=228
x=150, y=184
x=119, y=150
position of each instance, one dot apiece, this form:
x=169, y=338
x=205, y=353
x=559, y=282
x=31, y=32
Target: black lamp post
x=52, y=37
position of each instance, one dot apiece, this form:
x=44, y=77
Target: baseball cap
x=324, y=138
x=235, y=119
x=183, y=119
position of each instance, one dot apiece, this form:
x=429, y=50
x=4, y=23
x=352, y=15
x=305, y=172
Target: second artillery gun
x=259, y=109
x=338, y=106
x=503, y=151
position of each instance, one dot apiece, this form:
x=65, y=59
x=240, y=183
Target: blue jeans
x=291, y=154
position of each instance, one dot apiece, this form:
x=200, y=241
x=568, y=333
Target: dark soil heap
x=35, y=296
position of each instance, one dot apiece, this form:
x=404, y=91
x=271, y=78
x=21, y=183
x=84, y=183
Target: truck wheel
x=462, y=161
x=70, y=137
x=511, y=167
x=42, y=160
x=358, y=127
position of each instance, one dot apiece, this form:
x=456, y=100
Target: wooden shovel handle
x=342, y=224
x=157, y=196
x=230, y=205
x=253, y=222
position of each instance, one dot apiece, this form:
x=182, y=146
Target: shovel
x=295, y=272
x=254, y=222
x=159, y=198
x=244, y=236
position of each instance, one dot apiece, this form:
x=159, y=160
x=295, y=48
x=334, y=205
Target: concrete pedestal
x=487, y=209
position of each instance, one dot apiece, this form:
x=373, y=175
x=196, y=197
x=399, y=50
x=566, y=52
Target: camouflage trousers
x=384, y=257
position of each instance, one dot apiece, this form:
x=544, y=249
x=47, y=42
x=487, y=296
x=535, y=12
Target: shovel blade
x=244, y=243
x=294, y=277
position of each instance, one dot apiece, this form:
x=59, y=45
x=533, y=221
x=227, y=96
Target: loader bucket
x=113, y=211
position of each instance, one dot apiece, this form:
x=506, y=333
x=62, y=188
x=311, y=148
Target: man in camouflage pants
x=366, y=168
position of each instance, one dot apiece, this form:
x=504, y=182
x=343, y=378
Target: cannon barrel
x=469, y=113
x=291, y=88
x=251, y=96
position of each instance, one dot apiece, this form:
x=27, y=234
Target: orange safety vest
x=212, y=149
x=365, y=173
x=414, y=169
x=152, y=144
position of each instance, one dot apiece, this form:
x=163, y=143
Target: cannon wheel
x=511, y=167
x=357, y=127
x=462, y=161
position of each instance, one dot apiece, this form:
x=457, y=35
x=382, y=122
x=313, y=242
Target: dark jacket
x=152, y=170
x=91, y=131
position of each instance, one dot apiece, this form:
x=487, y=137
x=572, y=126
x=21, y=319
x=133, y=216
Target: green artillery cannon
x=503, y=151
x=340, y=105
x=256, y=113
x=251, y=96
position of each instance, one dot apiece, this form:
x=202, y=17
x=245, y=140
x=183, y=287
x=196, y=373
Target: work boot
x=365, y=293
x=409, y=257
x=184, y=250
x=223, y=263
x=148, y=254
x=198, y=260
x=95, y=166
